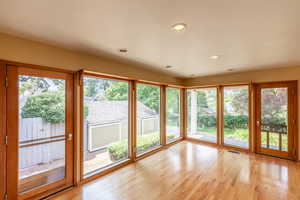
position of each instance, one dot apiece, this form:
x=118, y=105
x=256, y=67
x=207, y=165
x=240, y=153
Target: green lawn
x=242, y=135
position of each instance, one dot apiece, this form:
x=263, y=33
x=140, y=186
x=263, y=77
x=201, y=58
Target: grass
x=242, y=135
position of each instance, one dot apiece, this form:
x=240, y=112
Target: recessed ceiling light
x=180, y=27
x=123, y=50
x=169, y=67
x=214, y=57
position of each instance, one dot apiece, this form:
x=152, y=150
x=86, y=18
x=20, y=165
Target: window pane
x=274, y=118
x=173, y=113
x=106, y=110
x=202, y=114
x=236, y=110
x=148, y=119
x=42, y=131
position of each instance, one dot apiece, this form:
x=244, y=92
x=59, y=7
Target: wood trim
x=149, y=153
x=220, y=116
x=12, y=130
x=77, y=128
x=103, y=76
x=33, y=66
x=3, y=130
x=43, y=73
x=133, y=119
x=81, y=133
x=201, y=86
x=105, y=171
x=183, y=113
x=162, y=114
x=126, y=78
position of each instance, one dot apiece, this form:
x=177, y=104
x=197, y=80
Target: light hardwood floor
x=188, y=171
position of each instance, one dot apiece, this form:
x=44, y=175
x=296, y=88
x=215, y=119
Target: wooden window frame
x=114, y=166
x=162, y=131
x=220, y=116
x=181, y=115
x=3, y=187
x=218, y=141
x=250, y=135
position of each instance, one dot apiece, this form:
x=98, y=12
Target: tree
x=149, y=95
x=274, y=104
x=118, y=91
x=95, y=87
x=50, y=106
x=240, y=100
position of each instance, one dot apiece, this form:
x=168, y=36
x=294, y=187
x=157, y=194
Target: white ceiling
x=248, y=34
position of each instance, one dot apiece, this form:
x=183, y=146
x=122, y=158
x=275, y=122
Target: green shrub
x=119, y=150
x=50, y=106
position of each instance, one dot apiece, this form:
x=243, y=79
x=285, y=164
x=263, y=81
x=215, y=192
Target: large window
x=173, y=113
x=106, y=111
x=236, y=116
x=202, y=114
x=148, y=117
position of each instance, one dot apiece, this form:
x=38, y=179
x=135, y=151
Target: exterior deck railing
x=276, y=129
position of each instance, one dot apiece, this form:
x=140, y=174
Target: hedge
x=233, y=121
x=119, y=150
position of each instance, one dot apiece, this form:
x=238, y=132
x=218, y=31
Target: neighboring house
x=107, y=122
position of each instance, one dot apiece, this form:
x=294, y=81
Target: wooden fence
x=40, y=142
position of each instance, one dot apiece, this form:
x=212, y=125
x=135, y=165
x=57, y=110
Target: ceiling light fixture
x=180, y=27
x=215, y=57
x=123, y=50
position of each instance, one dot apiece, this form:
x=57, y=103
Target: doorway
x=276, y=119
x=40, y=131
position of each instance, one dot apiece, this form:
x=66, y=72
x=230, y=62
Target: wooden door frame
x=12, y=129
x=3, y=130
x=292, y=118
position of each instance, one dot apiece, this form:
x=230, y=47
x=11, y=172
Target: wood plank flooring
x=190, y=171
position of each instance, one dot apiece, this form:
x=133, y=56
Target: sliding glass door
x=42, y=106
x=202, y=114
x=172, y=114
x=148, y=118
x=105, y=124
x=236, y=116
